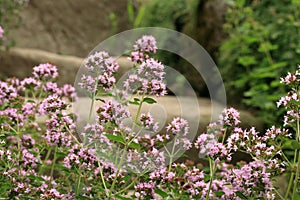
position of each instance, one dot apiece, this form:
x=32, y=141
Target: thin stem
x=212, y=173
x=279, y=195
x=92, y=106
x=139, y=108
x=73, y=136
x=285, y=158
x=296, y=178
x=46, y=158
x=289, y=185
x=78, y=185
x=171, y=156
x=53, y=164
x=102, y=179
x=224, y=136
x=118, y=171
x=297, y=161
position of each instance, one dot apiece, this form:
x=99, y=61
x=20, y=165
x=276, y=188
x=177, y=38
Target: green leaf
x=206, y=178
x=266, y=46
x=149, y=100
x=139, y=17
x=291, y=144
x=134, y=102
x=135, y=145
x=219, y=193
x=161, y=193
x=115, y=138
x=32, y=177
x=100, y=99
x=136, y=99
x=247, y=60
x=241, y=195
x=296, y=2
x=240, y=3
x=130, y=11
x=122, y=198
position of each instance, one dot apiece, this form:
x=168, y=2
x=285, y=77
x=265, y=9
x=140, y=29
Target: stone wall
x=71, y=27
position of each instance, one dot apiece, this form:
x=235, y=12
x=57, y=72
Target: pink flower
x=112, y=111
x=52, y=104
x=148, y=122
x=45, y=71
x=230, y=117
x=1, y=32
x=178, y=126
x=7, y=92
x=148, y=79
x=101, y=68
x=291, y=78
x=146, y=43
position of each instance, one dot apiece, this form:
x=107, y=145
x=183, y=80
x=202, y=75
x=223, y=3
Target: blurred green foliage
x=263, y=44
x=167, y=14
x=10, y=17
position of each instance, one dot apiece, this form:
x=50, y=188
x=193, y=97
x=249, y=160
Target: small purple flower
x=13, y=117
x=102, y=68
x=178, y=126
x=28, y=159
x=89, y=83
x=1, y=32
x=27, y=141
x=148, y=79
x=45, y=71
x=7, y=92
x=230, y=117
x=146, y=43
x=58, y=138
x=209, y=146
x=148, y=122
x=51, y=87
x=112, y=111
x=52, y=104
x=52, y=194
x=81, y=157
x=143, y=190
x=291, y=78
x=30, y=83
x=100, y=62
x=69, y=92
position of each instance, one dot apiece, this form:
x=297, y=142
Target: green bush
x=263, y=43
x=10, y=17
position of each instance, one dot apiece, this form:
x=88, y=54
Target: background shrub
x=263, y=43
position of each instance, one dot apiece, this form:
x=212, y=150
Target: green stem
x=103, y=181
x=46, y=158
x=296, y=178
x=224, y=136
x=53, y=164
x=279, y=195
x=285, y=158
x=289, y=185
x=118, y=171
x=139, y=108
x=92, y=107
x=297, y=161
x=78, y=185
x=212, y=173
x=172, y=154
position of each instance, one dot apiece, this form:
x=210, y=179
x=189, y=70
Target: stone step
x=18, y=62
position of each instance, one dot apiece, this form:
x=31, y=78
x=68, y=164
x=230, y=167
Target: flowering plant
x=123, y=155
